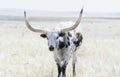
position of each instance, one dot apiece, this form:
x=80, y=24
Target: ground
x=25, y=54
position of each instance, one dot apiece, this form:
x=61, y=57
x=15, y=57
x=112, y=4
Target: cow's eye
x=57, y=37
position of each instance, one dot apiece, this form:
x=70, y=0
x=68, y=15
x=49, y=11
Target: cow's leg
x=65, y=63
x=73, y=63
x=59, y=69
x=64, y=70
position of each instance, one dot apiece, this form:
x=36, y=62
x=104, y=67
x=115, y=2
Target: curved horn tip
x=81, y=11
x=25, y=13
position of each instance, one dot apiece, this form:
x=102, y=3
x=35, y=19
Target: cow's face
x=53, y=36
x=53, y=39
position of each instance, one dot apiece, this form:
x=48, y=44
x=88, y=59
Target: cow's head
x=54, y=37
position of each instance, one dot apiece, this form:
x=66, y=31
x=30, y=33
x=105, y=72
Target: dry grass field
x=25, y=54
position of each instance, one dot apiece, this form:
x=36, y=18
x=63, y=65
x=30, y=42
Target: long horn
x=75, y=25
x=30, y=27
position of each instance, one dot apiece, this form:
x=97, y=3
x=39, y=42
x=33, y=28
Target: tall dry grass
x=25, y=54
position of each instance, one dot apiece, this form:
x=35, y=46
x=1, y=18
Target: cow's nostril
x=51, y=48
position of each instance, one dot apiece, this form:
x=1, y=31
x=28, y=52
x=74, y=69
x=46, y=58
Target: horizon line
x=39, y=10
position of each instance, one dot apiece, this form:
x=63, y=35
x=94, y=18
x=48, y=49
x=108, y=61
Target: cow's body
x=72, y=41
x=63, y=43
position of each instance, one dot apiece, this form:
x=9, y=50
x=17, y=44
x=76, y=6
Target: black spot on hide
x=69, y=34
x=61, y=44
x=80, y=38
x=66, y=46
x=68, y=38
x=77, y=43
x=61, y=34
x=68, y=43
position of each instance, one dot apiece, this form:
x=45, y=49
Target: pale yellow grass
x=25, y=54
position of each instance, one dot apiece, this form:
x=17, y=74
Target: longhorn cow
x=63, y=43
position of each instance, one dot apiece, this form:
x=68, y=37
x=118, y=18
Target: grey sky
x=64, y=5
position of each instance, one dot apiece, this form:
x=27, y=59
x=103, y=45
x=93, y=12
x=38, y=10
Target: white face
x=53, y=39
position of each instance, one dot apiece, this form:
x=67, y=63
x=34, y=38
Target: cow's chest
x=61, y=55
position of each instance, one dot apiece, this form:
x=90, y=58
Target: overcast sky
x=63, y=5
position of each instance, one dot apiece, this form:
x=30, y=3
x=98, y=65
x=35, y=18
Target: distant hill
x=44, y=13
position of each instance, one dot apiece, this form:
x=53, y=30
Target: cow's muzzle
x=51, y=48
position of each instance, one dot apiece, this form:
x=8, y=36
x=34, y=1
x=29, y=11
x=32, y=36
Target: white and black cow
x=63, y=43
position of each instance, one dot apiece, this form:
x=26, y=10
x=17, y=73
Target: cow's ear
x=43, y=35
x=61, y=34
